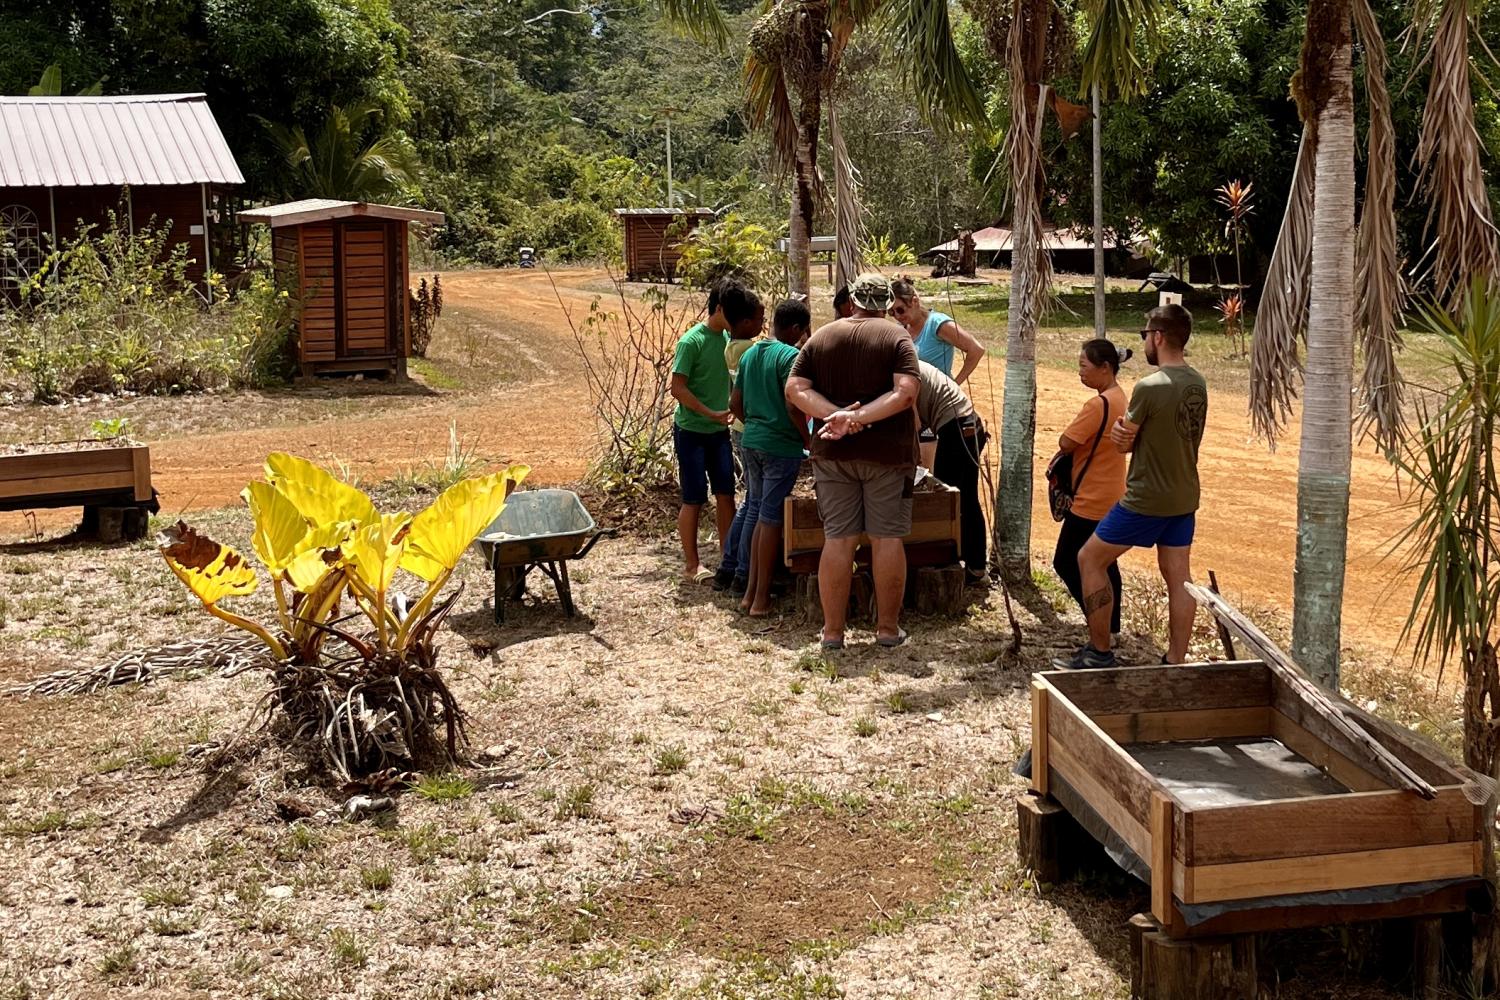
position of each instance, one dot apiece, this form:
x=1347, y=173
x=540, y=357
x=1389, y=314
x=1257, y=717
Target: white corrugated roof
x=294, y=213
x=110, y=141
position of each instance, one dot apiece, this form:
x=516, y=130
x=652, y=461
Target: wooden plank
x=1327, y=872
x=63, y=463
x=1193, y=724
x=1340, y=730
x=1039, y=690
x=1225, y=639
x=1166, y=688
x=1106, y=762
x=1451, y=898
x=1350, y=774
x=48, y=485
x=1161, y=857
x=1330, y=824
x=1100, y=799
x=141, y=461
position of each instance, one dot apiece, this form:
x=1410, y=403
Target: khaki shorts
x=863, y=498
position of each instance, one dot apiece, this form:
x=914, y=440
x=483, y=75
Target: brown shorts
x=863, y=498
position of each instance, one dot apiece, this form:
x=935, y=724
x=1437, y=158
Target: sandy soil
x=533, y=408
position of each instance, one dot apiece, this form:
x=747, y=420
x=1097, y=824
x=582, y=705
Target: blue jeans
x=768, y=482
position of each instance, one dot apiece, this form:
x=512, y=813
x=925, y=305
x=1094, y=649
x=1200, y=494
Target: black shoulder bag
x=1061, y=487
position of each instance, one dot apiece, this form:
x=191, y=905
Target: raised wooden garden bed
x=933, y=540
x=111, y=483
x=1245, y=807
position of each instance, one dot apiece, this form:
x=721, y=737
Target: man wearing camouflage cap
x=858, y=378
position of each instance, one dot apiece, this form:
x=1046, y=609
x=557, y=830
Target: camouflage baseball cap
x=871, y=291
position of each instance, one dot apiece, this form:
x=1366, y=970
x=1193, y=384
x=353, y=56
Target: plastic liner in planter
x=1194, y=914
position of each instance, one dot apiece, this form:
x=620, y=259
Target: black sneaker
x=738, y=586
x=723, y=579
x=1087, y=658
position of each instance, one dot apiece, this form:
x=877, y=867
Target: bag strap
x=1103, y=419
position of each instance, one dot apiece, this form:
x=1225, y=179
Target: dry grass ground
x=664, y=800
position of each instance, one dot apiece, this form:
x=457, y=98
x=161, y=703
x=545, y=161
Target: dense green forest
x=532, y=119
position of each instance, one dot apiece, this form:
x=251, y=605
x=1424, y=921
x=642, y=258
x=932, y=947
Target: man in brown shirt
x=858, y=378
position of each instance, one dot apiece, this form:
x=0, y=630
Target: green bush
x=114, y=312
x=734, y=247
x=563, y=231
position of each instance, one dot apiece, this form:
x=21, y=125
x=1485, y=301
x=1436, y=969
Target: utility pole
x=669, y=112
x=1098, y=222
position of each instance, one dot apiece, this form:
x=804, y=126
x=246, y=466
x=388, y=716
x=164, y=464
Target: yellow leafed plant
x=369, y=695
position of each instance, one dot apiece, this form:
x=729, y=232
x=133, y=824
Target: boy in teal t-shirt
x=700, y=431
x=774, y=439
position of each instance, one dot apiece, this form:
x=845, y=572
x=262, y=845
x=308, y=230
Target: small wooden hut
x=654, y=237
x=345, y=262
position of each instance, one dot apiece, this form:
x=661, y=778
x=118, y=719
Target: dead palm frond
x=1378, y=284
x=1460, y=224
x=849, y=226
x=1275, y=363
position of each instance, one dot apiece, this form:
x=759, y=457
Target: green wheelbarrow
x=538, y=529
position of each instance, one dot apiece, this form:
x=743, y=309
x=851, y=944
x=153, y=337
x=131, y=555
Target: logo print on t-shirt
x=1192, y=413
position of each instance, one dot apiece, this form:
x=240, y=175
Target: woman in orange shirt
x=1098, y=467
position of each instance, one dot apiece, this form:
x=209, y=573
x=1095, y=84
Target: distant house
x=67, y=162
x=1071, y=252
x=654, y=238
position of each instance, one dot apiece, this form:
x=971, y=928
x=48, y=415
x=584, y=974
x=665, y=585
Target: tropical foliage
x=736, y=247
x=366, y=696
x=354, y=155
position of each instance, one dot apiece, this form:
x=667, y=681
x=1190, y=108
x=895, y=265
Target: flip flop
x=891, y=641
x=704, y=573
x=829, y=643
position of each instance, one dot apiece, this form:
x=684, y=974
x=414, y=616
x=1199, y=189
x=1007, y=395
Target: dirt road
x=1246, y=528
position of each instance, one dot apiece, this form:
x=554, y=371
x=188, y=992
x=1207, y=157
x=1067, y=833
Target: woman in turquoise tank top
x=936, y=334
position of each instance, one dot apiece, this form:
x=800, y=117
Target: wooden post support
x=1049, y=842
x=1225, y=639
x=936, y=590
x=1039, y=737
x=1163, y=968
x=1161, y=858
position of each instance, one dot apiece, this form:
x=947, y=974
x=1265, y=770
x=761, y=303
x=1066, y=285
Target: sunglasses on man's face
x=1148, y=332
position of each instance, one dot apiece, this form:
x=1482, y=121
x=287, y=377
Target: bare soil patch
x=817, y=876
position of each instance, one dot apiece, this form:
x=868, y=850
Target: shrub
x=734, y=247
x=114, y=312
x=564, y=230
x=878, y=252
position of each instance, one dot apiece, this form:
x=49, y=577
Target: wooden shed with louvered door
x=654, y=238
x=345, y=262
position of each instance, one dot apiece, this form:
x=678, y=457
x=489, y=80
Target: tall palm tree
x=353, y=156
x=1321, y=267
x=1030, y=36
x=792, y=75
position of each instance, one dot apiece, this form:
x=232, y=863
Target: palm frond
x=701, y=19
x=849, y=218
x=768, y=104
x=1275, y=364
x=1112, y=57
x=1378, y=284
x=922, y=37
x=1464, y=240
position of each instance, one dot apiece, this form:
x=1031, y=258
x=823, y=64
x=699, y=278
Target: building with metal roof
x=70, y=163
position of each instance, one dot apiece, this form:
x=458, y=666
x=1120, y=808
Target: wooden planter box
x=933, y=540
x=112, y=485
x=1223, y=783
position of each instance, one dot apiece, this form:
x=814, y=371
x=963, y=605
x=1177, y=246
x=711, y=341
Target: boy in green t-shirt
x=774, y=442
x=700, y=431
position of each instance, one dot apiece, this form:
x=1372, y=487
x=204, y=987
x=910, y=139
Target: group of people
x=869, y=398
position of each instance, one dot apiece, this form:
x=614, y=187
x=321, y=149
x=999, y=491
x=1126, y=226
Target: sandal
x=704, y=573
x=830, y=643
x=891, y=641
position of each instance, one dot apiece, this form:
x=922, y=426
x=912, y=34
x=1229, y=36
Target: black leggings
x=957, y=464
x=1075, y=532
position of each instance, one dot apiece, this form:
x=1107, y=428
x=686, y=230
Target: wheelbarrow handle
x=594, y=539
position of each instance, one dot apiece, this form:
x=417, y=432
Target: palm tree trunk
x=1099, y=314
x=1018, y=436
x=804, y=197
x=1323, y=464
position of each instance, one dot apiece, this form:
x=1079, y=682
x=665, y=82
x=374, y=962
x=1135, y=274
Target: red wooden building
x=345, y=263
x=66, y=163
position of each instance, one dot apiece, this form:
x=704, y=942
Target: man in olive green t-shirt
x=1161, y=430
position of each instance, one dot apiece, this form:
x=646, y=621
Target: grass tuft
x=443, y=787
x=670, y=760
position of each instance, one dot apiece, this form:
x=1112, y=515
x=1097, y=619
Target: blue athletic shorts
x=1125, y=527
x=703, y=457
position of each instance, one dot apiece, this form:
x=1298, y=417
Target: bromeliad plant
x=368, y=695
